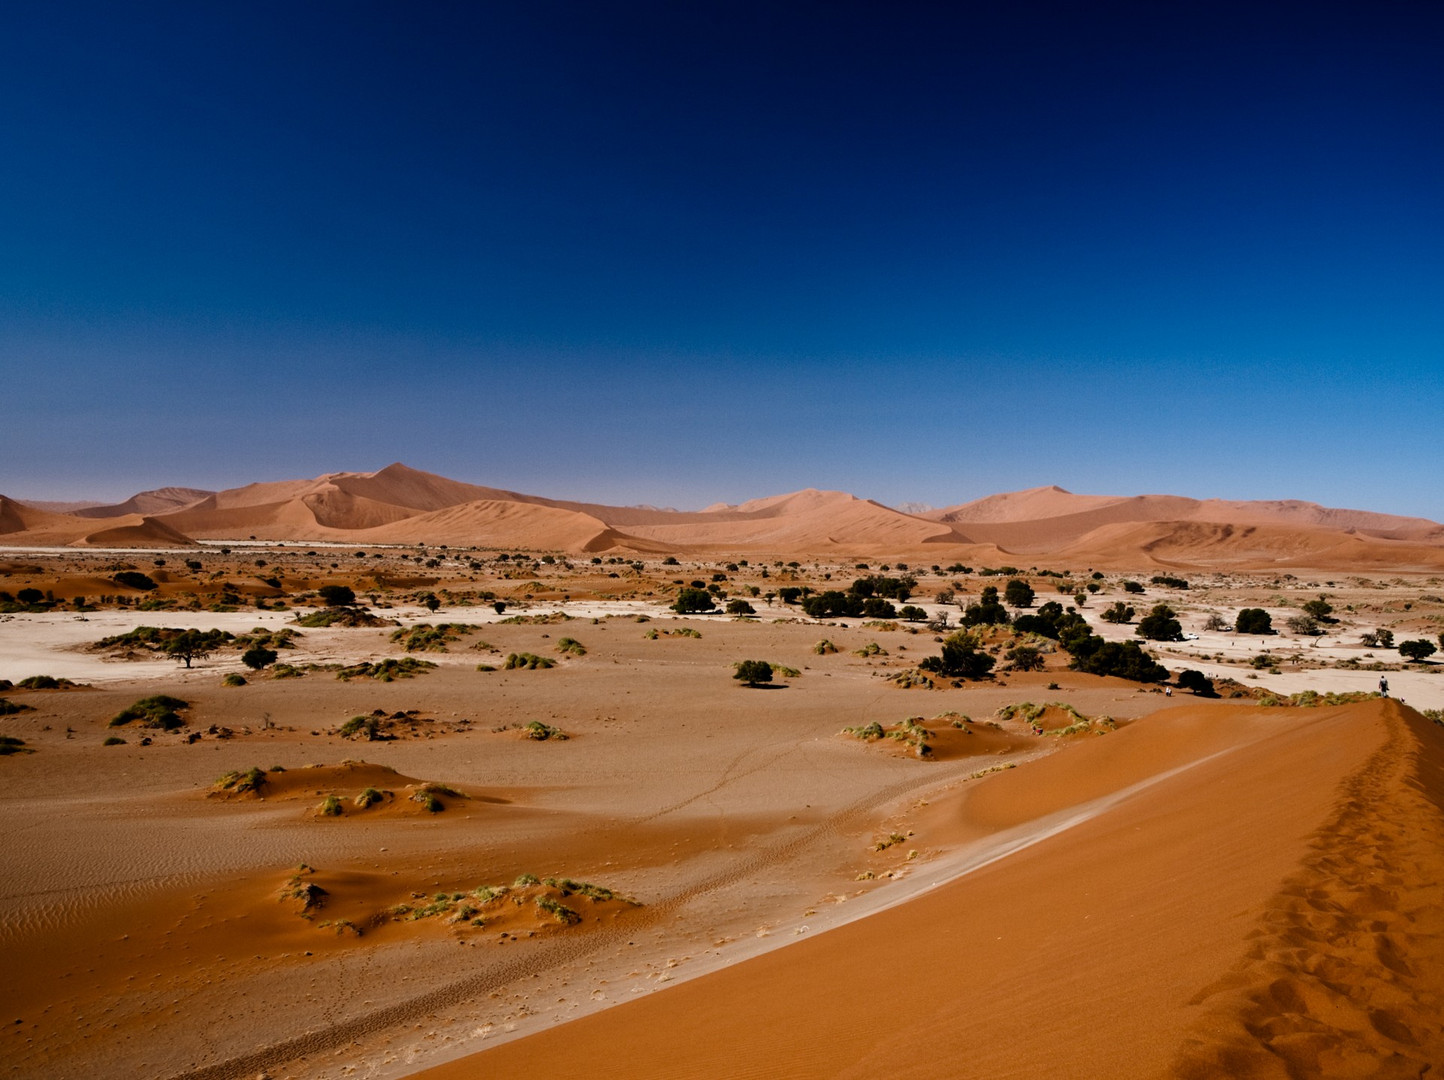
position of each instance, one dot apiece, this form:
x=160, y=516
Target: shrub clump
x=387, y=670
x=423, y=637
x=10, y=708
x=527, y=662
x=159, y=711
x=9, y=744
x=572, y=646
x=252, y=780
x=543, y=732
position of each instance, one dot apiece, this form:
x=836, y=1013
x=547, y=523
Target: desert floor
x=1181, y=886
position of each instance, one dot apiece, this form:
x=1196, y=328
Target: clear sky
x=677, y=253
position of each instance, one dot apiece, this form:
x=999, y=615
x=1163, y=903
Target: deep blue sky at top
x=682, y=252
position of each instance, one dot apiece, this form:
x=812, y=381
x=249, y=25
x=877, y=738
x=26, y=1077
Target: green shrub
x=527, y=662
x=1253, y=621
x=113, y=740
x=542, y=732
x=368, y=798
x=752, y=672
x=386, y=670
x=233, y=679
x=694, y=601
x=571, y=645
x=44, y=682
x=134, y=579
x=253, y=779
x=824, y=647
x=361, y=727
x=331, y=807
x=159, y=711
x=10, y=708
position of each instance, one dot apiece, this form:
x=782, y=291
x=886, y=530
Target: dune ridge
x=402, y=505
x=1301, y=941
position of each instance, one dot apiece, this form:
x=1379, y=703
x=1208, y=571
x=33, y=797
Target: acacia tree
x=1416, y=649
x=1018, y=593
x=1253, y=620
x=1160, y=624
x=191, y=645
x=1118, y=613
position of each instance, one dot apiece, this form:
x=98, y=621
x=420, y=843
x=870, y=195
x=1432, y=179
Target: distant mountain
x=402, y=505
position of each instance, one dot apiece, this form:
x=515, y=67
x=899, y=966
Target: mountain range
x=401, y=505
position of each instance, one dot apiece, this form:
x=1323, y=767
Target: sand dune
x=1208, y=893
x=402, y=505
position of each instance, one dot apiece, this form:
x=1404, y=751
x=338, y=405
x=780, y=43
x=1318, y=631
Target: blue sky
x=680, y=253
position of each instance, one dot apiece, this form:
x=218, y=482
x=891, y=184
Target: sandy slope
x=401, y=505
x=1255, y=895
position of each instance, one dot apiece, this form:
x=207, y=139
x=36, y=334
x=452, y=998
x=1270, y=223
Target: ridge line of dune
x=1331, y=979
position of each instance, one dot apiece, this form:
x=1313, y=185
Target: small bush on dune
x=9, y=744
x=253, y=779
x=10, y=708
x=234, y=679
x=386, y=670
x=44, y=682
x=331, y=807
x=368, y=798
x=824, y=647
x=113, y=740
x=543, y=732
x=572, y=646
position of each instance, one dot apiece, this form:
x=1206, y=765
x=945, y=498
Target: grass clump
x=261, y=638
x=429, y=802
x=572, y=646
x=44, y=682
x=362, y=727
x=113, y=740
x=542, y=732
x=367, y=799
x=423, y=637
x=159, y=711
x=387, y=670
x=253, y=779
x=785, y=672
x=824, y=647
x=872, y=648
x=557, y=910
x=865, y=732
x=331, y=807
x=527, y=662
x=10, y=708
x=234, y=679
x=9, y=744
x=538, y=620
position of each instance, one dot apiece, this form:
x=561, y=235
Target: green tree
x=752, y=672
x=336, y=595
x=987, y=611
x=1253, y=620
x=1018, y=593
x=1196, y=681
x=1160, y=624
x=960, y=659
x=1319, y=609
x=258, y=657
x=1118, y=613
x=430, y=602
x=692, y=601
x=1416, y=649
x=740, y=607
x=191, y=645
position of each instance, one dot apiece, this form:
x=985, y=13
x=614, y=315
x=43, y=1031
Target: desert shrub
x=867, y=732
x=9, y=745
x=159, y=711
x=1196, y=681
x=824, y=647
x=527, y=662
x=789, y=594
x=1160, y=624
x=44, y=682
x=10, y=708
x=113, y=740
x=428, y=801
x=423, y=637
x=368, y=798
x=740, y=607
x=233, y=679
x=1132, y=587
x=544, y=732
x=1377, y=639
x=911, y=613
x=361, y=727
x=872, y=648
x=134, y=579
x=1253, y=621
x=1215, y=622
x=572, y=646
x=1118, y=613
x=1416, y=649
x=1305, y=625
x=557, y=910
x=1168, y=582
x=1025, y=658
x=387, y=670
x=253, y=779
x=752, y=672
x=331, y=807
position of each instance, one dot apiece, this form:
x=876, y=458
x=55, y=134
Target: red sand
x=1263, y=901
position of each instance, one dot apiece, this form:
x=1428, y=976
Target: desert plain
x=503, y=809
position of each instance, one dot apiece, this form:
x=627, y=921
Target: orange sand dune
x=159, y=501
x=1209, y=892
x=21, y=524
